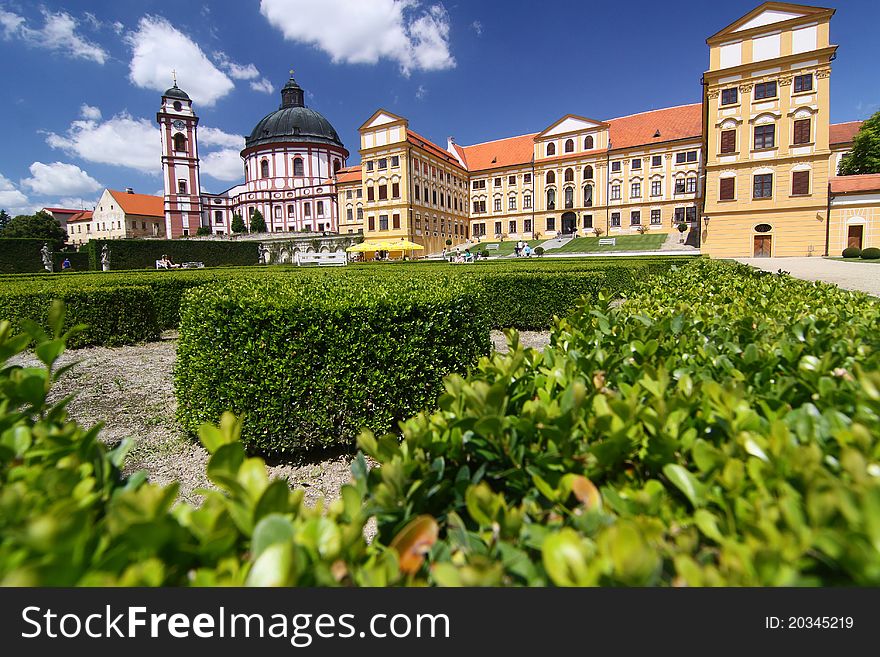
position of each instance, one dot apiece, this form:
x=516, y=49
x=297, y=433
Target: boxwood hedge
x=21, y=255
x=143, y=254
x=309, y=365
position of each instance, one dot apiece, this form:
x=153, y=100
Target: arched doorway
x=569, y=223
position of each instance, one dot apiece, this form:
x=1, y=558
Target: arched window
x=588, y=172
x=551, y=149
x=264, y=168
x=588, y=196
x=551, y=177
x=337, y=165
x=588, y=142
x=298, y=167
x=551, y=199
x=180, y=142
x=569, y=197
x=569, y=145
x=569, y=175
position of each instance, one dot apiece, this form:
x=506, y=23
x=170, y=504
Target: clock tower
x=180, y=163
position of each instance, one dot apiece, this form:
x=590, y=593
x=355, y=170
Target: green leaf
x=273, y=567
x=272, y=529
x=685, y=482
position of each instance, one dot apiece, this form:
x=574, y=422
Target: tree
x=258, y=224
x=238, y=225
x=203, y=231
x=40, y=226
x=865, y=154
x=4, y=219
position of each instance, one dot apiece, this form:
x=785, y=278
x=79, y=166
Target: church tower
x=180, y=163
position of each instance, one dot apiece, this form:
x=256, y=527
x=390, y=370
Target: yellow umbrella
x=365, y=246
x=400, y=245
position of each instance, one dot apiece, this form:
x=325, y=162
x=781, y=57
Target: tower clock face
x=179, y=125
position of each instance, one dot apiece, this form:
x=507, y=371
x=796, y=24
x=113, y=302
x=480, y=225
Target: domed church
x=290, y=158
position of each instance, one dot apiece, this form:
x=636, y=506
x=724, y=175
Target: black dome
x=293, y=122
x=176, y=92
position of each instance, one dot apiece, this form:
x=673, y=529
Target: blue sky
x=83, y=79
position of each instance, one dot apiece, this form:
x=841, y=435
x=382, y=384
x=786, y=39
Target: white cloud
x=11, y=199
x=89, y=112
x=225, y=165
x=58, y=179
x=235, y=71
x=263, y=85
x=158, y=48
x=216, y=137
x=122, y=140
x=357, y=32
x=77, y=203
x=421, y=92
x=118, y=27
x=58, y=34
x=477, y=27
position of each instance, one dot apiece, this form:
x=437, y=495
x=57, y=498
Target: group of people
x=458, y=257
x=522, y=248
x=166, y=263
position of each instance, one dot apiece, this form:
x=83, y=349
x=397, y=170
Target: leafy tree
x=238, y=225
x=258, y=224
x=4, y=219
x=203, y=230
x=865, y=154
x=40, y=225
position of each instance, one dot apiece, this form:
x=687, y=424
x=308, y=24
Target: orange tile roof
x=869, y=182
x=843, y=133
x=682, y=122
x=140, y=204
x=498, y=153
x=81, y=215
x=349, y=174
x=431, y=147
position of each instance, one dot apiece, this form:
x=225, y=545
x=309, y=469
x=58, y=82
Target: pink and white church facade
x=290, y=158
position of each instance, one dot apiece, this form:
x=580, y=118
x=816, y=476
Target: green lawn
x=504, y=248
x=870, y=262
x=624, y=243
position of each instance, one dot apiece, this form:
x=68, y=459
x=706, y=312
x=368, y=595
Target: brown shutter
x=800, y=182
x=728, y=189
x=802, y=131
x=728, y=141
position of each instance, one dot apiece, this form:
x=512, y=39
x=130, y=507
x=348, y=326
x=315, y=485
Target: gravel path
x=859, y=276
x=130, y=390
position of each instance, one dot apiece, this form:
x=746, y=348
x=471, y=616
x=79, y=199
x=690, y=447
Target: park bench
x=492, y=247
x=608, y=241
x=185, y=265
x=338, y=259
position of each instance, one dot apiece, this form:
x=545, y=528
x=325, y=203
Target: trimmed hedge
x=871, y=253
x=143, y=254
x=21, y=255
x=852, y=252
x=79, y=261
x=113, y=315
x=309, y=366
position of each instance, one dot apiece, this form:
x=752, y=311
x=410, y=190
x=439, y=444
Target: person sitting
x=65, y=264
x=527, y=251
x=468, y=256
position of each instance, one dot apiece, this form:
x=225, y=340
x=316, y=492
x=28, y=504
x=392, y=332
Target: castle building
x=290, y=158
x=119, y=215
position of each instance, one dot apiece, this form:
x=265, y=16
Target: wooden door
x=762, y=246
x=854, y=237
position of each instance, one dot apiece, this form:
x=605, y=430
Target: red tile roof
x=81, y=215
x=682, y=122
x=843, y=133
x=498, y=153
x=140, y=204
x=869, y=182
x=431, y=147
x=62, y=210
x=349, y=174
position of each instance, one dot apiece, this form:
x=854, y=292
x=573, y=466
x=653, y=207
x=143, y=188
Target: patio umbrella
x=365, y=246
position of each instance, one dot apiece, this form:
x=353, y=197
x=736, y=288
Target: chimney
x=129, y=190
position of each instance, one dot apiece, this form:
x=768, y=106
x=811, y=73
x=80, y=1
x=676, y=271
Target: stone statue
x=47, y=257
x=263, y=252
x=105, y=258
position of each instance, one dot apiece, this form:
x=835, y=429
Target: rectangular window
x=729, y=96
x=395, y=190
x=416, y=193
x=383, y=222
x=615, y=166
x=511, y=180
x=635, y=218
x=307, y=209
x=360, y=193
x=395, y=221
x=383, y=192
x=635, y=190
x=765, y=90
x=349, y=215
x=800, y=183
x=656, y=160
x=348, y=194
x=371, y=194
x=360, y=215
x=727, y=189
x=527, y=178
x=690, y=186
x=728, y=141
x=320, y=208
x=615, y=220
x=656, y=187
x=803, y=82
x=371, y=222
x=763, y=187
x=497, y=205
x=498, y=182
x=395, y=161
x=511, y=203
x=655, y=217
x=588, y=221
x=527, y=202
x=382, y=163
x=679, y=186
x=636, y=163
x=434, y=196
x=527, y=225
x=497, y=227
x=551, y=223
x=679, y=215
x=802, y=131
x=511, y=226
x=765, y=136
x=181, y=187
x=691, y=156
x=479, y=184
x=370, y=165
x=680, y=158
x=691, y=214
x=615, y=192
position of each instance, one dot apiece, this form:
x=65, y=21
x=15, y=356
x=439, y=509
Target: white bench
x=608, y=241
x=492, y=247
x=185, y=265
x=338, y=259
